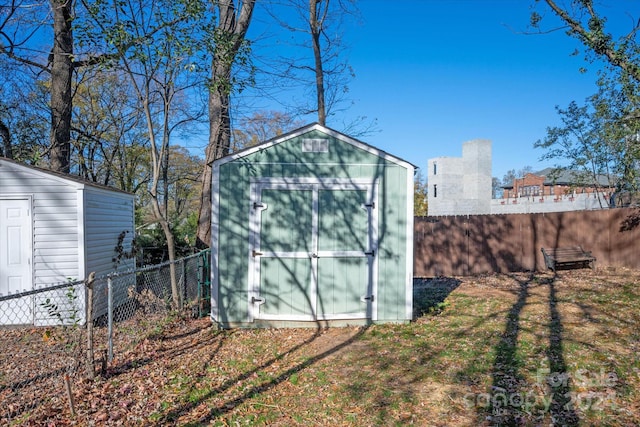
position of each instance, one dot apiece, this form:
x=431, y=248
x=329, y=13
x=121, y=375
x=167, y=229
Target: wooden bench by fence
x=569, y=257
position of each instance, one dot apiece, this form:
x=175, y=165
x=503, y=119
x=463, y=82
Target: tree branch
x=600, y=44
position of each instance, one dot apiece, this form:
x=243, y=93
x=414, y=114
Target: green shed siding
x=234, y=238
x=333, y=184
x=393, y=257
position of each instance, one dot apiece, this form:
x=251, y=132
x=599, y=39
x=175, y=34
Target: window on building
x=530, y=190
x=435, y=168
x=435, y=190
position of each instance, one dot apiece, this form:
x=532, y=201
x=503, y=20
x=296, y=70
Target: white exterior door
x=15, y=260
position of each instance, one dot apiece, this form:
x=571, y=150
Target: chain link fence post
x=109, y=319
x=89, y=321
x=46, y=325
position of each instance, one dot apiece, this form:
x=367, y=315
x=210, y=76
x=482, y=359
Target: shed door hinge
x=255, y=253
x=257, y=205
x=371, y=205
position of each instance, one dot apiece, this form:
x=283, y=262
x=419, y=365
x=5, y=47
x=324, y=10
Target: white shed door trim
x=301, y=257
x=16, y=253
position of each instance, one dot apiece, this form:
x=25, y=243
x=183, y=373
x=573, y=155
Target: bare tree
x=159, y=55
x=319, y=23
x=24, y=112
x=229, y=36
x=318, y=11
x=260, y=127
x=107, y=131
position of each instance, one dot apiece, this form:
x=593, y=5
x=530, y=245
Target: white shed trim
x=409, y=248
x=316, y=126
x=314, y=185
x=215, y=241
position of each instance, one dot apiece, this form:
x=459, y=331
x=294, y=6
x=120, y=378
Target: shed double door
x=312, y=251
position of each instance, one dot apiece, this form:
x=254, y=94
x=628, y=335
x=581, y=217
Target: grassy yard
x=521, y=349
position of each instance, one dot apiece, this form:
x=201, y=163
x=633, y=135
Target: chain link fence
x=48, y=345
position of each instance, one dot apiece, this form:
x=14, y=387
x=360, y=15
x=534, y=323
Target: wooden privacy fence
x=465, y=245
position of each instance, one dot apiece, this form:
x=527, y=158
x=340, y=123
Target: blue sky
x=437, y=73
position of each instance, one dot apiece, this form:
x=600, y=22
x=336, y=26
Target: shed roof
x=61, y=176
x=308, y=128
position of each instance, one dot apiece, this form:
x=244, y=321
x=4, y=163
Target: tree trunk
x=315, y=24
x=168, y=234
x=5, y=135
x=176, y=295
x=231, y=29
x=61, y=76
x=219, y=143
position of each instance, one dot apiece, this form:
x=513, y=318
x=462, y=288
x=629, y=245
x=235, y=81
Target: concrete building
x=461, y=185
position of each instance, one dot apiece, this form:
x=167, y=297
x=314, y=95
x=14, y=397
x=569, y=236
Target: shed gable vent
x=315, y=145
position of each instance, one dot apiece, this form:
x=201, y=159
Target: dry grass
x=496, y=350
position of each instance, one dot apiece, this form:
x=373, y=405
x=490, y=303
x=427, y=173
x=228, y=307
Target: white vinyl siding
x=107, y=215
x=55, y=223
x=75, y=226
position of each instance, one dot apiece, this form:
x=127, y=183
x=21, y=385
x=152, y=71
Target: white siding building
x=55, y=228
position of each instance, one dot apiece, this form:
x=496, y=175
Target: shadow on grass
x=514, y=401
x=559, y=381
x=508, y=384
x=253, y=391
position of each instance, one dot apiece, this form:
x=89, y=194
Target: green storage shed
x=312, y=228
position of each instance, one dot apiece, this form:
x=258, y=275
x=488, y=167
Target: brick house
x=555, y=183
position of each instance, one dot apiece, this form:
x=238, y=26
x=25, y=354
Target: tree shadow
x=559, y=381
x=513, y=399
x=255, y=390
x=631, y=222
x=508, y=383
x=214, y=342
